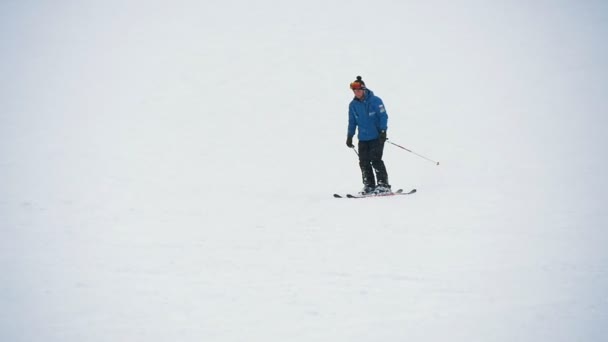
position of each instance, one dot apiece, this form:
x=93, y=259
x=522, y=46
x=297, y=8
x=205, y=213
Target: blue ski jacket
x=369, y=115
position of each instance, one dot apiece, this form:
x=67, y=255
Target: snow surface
x=167, y=170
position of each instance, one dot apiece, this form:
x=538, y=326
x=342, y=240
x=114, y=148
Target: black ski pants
x=370, y=160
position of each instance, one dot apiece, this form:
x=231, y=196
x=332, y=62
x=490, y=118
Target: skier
x=366, y=111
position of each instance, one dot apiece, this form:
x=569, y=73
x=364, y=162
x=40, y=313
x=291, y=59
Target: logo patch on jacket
x=372, y=113
x=382, y=110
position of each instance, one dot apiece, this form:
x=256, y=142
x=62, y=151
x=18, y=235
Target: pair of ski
x=385, y=194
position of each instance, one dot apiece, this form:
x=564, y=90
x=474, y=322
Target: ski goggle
x=356, y=86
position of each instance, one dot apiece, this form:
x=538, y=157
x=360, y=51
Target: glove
x=383, y=135
x=349, y=141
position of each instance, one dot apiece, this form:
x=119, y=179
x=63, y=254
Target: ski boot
x=367, y=190
x=382, y=189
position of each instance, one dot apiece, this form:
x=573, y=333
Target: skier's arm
x=382, y=115
x=352, y=123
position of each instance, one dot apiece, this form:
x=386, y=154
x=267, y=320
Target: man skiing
x=367, y=113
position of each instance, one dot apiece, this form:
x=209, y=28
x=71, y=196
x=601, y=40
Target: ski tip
x=337, y=196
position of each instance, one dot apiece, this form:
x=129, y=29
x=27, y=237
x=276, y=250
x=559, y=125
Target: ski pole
x=354, y=149
x=419, y=155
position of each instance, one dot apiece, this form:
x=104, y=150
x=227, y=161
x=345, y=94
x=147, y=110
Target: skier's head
x=358, y=87
x=357, y=84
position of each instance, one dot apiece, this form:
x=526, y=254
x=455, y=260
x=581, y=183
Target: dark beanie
x=357, y=84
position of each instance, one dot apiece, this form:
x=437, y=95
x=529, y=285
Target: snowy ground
x=168, y=169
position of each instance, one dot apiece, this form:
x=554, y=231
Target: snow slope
x=167, y=171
